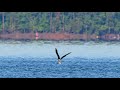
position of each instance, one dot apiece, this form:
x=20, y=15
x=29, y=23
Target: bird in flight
x=60, y=58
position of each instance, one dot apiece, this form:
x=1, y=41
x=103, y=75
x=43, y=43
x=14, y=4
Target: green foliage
x=72, y=22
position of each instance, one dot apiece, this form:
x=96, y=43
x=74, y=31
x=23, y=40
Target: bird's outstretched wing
x=57, y=53
x=65, y=55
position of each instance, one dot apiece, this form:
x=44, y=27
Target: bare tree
x=3, y=21
x=51, y=22
x=63, y=20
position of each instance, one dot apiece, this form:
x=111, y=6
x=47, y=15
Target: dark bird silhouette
x=59, y=59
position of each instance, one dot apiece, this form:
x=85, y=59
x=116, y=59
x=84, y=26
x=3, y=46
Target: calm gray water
x=37, y=59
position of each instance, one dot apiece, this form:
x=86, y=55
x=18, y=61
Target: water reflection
x=46, y=49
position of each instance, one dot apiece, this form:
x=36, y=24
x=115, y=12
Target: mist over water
x=37, y=59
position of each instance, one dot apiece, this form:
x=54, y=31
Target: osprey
x=59, y=59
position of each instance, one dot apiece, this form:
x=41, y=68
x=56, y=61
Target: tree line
x=98, y=23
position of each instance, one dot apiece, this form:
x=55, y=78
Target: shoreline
x=58, y=36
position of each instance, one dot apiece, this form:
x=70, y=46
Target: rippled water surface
x=37, y=59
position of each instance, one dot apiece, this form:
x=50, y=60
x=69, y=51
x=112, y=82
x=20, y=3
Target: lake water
x=37, y=59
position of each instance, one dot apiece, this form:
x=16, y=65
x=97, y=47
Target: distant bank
x=58, y=36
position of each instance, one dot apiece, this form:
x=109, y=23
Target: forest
x=98, y=23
